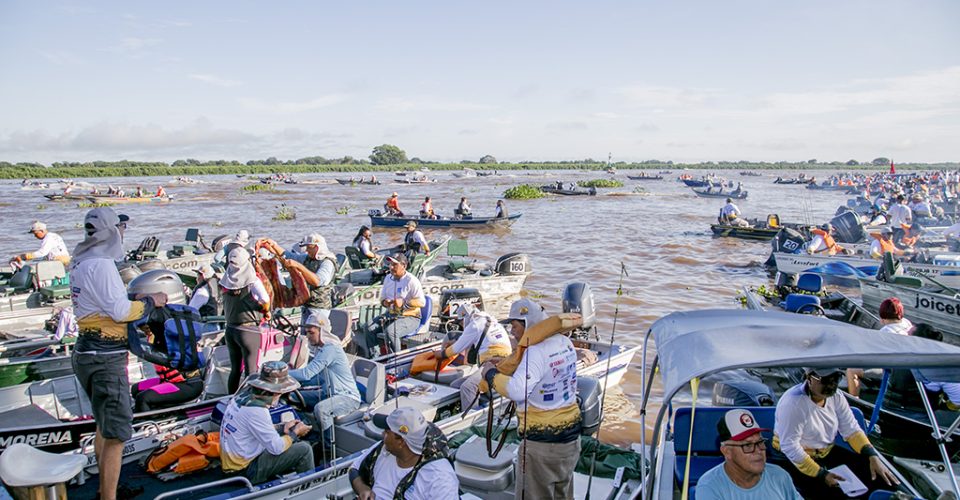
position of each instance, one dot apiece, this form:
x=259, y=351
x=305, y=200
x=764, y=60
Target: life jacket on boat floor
x=185, y=454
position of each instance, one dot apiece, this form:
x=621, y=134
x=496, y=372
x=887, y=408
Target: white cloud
x=291, y=107
x=659, y=97
x=61, y=57
x=214, y=80
x=405, y=104
x=606, y=115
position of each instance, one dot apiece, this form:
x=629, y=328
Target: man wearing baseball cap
x=412, y=461
x=808, y=417
x=331, y=371
x=319, y=266
x=414, y=242
x=744, y=473
x=52, y=246
x=402, y=295
x=543, y=386
x=249, y=442
x=483, y=339
x=99, y=358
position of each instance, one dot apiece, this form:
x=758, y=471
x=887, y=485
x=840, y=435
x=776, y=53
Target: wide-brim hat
x=274, y=377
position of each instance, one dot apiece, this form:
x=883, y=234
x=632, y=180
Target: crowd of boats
x=799, y=321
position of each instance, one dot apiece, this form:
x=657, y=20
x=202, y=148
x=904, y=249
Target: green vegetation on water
x=600, y=183
x=523, y=192
x=285, y=213
x=252, y=188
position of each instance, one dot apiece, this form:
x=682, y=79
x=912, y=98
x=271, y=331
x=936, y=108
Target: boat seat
x=810, y=282
x=356, y=259
x=55, y=291
x=373, y=432
x=21, y=280
x=796, y=302
x=910, y=281
x=340, y=324
x=371, y=380
x=449, y=374
x=22, y=465
x=475, y=469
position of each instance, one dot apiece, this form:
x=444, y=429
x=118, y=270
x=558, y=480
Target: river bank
x=152, y=169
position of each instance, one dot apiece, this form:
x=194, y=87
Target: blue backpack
x=182, y=332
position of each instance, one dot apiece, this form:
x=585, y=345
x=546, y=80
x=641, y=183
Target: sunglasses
x=829, y=379
x=750, y=447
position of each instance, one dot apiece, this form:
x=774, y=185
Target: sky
x=677, y=80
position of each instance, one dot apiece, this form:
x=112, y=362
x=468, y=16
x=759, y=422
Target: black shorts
x=104, y=379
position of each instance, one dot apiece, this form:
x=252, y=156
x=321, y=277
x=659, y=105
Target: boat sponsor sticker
x=933, y=304
x=37, y=439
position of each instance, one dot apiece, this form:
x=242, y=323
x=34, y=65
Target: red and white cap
x=738, y=425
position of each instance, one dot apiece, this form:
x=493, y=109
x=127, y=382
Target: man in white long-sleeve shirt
x=808, y=417
x=52, y=246
x=99, y=359
x=483, y=339
x=249, y=442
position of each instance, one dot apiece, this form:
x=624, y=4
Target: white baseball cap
x=738, y=425
x=37, y=226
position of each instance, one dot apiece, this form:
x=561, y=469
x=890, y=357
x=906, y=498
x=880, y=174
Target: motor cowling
x=742, y=393
x=578, y=298
x=151, y=265
x=588, y=399
x=159, y=280
x=128, y=271
x=788, y=241
x=451, y=300
x=513, y=264
x=847, y=228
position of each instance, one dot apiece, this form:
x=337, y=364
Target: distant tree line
x=396, y=158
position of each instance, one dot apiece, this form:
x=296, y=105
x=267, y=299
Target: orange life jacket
x=832, y=247
x=190, y=453
x=394, y=203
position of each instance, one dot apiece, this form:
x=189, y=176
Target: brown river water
x=661, y=236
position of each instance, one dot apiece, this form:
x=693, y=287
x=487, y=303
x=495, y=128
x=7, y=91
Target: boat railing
x=212, y=484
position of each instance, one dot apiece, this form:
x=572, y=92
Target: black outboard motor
x=742, y=393
x=450, y=301
x=788, y=241
x=847, y=228
x=578, y=298
x=588, y=399
x=512, y=264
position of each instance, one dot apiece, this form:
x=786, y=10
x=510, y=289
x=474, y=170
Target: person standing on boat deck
x=483, y=339
x=730, y=215
x=463, y=209
x=544, y=387
x=891, y=317
x=364, y=242
x=823, y=241
x=322, y=264
x=329, y=369
x=411, y=462
x=245, y=305
x=52, y=246
x=402, y=295
x=249, y=442
x=426, y=209
x=744, y=473
x=206, y=297
x=240, y=240
x=100, y=356
x=161, y=193
x=808, y=417
x=501, y=210
x=899, y=214
x=392, y=207
x=414, y=242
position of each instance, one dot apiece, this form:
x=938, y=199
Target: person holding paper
x=744, y=473
x=808, y=417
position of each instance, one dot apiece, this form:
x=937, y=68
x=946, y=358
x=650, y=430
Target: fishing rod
x=606, y=375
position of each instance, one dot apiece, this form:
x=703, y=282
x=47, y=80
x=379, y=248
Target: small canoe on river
x=361, y=181
x=553, y=189
x=645, y=177
x=737, y=195
x=377, y=219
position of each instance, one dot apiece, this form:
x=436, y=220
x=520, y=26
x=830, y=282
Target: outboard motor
x=578, y=298
x=128, y=271
x=742, y=393
x=151, y=265
x=588, y=399
x=847, y=228
x=159, y=280
x=513, y=264
x=450, y=301
x=788, y=241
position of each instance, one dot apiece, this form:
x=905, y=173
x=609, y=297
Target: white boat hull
x=798, y=263
x=920, y=306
